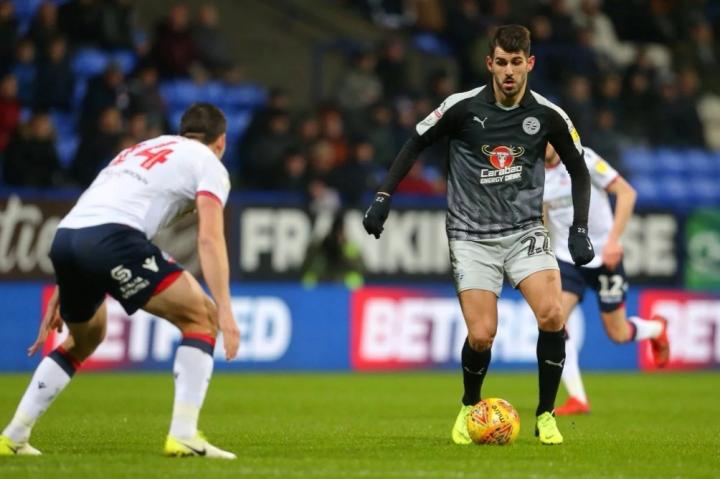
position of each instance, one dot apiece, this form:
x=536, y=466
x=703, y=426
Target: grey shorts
x=480, y=264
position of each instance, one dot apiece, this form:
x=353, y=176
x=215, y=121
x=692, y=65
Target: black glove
x=579, y=245
x=376, y=214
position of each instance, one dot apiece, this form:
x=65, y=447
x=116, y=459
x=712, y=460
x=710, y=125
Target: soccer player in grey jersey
x=497, y=136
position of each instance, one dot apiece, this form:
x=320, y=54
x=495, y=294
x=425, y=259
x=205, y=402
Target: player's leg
x=477, y=270
x=51, y=377
x=577, y=402
x=186, y=305
x=573, y=285
x=611, y=287
x=542, y=292
x=479, y=308
x=621, y=329
x=531, y=267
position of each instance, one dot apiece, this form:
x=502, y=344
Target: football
x=493, y=421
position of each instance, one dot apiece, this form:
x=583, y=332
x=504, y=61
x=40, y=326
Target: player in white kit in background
x=604, y=274
x=103, y=247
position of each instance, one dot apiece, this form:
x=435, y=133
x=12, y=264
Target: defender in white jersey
x=604, y=274
x=103, y=247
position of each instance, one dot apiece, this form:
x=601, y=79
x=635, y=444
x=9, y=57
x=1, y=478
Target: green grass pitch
x=370, y=426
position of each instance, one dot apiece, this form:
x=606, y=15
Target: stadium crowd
x=626, y=72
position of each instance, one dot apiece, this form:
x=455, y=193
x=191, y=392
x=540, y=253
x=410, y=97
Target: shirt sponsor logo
x=502, y=159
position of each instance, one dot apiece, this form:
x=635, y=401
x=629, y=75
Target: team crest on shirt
x=501, y=158
x=531, y=125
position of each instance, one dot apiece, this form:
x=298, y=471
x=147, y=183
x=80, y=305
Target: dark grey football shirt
x=496, y=159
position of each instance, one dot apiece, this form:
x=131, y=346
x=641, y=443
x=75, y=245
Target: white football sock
x=46, y=384
x=571, y=377
x=192, y=370
x=646, y=328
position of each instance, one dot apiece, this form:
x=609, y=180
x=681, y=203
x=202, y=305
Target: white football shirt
x=558, y=202
x=148, y=185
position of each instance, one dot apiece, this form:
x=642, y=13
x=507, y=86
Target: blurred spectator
x=605, y=139
x=262, y=153
x=294, y=172
x=360, y=87
x=415, y=183
x=105, y=90
x=464, y=29
x=175, y=51
x=603, y=37
x=9, y=109
x=97, y=147
x=8, y=32
x=609, y=94
x=137, y=127
x=322, y=162
x=638, y=99
x=145, y=96
x=212, y=47
x=578, y=104
x=702, y=52
x=392, y=68
x=322, y=198
x=30, y=158
x=333, y=259
x=393, y=14
x=677, y=122
x=81, y=21
x=25, y=70
x=332, y=126
x=307, y=132
x=440, y=86
x=561, y=21
x=357, y=175
x=117, y=24
x=381, y=134
x=278, y=100
x=44, y=27
x=55, y=82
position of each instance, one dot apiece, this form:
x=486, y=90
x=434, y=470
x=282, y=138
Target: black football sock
x=475, y=365
x=551, y=360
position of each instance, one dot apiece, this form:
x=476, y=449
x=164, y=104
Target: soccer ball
x=493, y=421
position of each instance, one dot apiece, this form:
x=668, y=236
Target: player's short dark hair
x=511, y=38
x=203, y=122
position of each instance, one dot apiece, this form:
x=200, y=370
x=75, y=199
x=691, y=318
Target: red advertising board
x=693, y=328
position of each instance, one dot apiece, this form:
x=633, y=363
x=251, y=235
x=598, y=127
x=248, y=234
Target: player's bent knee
x=480, y=338
x=618, y=335
x=550, y=317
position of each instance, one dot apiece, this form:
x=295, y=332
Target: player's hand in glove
x=376, y=214
x=579, y=245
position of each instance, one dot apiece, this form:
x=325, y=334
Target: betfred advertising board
x=281, y=327
x=420, y=328
x=693, y=328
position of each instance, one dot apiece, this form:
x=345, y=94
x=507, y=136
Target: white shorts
x=480, y=264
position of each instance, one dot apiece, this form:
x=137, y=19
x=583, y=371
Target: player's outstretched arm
x=214, y=262
x=440, y=123
x=624, y=205
x=378, y=211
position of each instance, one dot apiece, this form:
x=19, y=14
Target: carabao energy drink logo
x=502, y=159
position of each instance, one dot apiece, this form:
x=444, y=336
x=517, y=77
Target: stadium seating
x=679, y=179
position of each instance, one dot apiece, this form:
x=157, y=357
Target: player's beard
x=511, y=93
